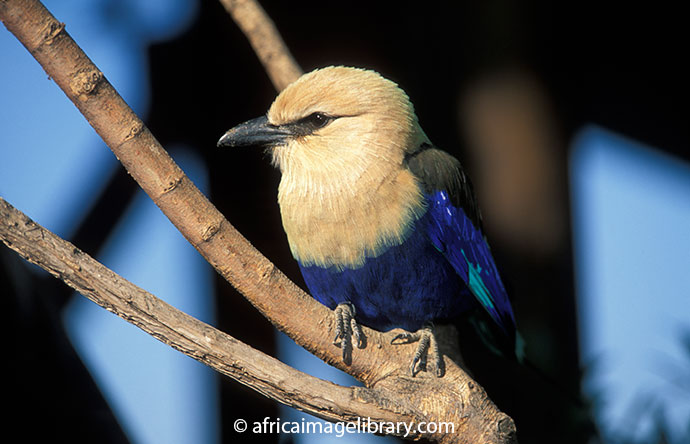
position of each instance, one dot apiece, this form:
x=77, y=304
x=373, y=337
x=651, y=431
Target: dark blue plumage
x=442, y=270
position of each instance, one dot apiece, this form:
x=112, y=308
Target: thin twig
x=268, y=45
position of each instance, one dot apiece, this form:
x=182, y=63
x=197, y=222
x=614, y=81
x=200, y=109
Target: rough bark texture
x=381, y=367
x=185, y=333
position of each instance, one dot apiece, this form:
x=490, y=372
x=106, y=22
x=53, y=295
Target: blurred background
x=571, y=118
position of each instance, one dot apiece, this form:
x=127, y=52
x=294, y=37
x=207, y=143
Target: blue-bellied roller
x=385, y=226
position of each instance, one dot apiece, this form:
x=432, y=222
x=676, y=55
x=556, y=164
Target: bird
x=384, y=225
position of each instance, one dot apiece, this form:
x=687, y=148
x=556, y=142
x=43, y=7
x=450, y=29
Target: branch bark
x=381, y=367
x=187, y=334
x=268, y=45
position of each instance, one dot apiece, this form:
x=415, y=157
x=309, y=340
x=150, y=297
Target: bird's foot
x=427, y=343
x=346, y=327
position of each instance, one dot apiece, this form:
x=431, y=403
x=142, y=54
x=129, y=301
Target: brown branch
x=266, y=41
x=187, y=334
x=382, y=367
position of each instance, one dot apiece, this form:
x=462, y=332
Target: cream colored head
x=373, y=125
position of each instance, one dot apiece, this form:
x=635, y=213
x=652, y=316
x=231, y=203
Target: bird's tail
x=514, y=349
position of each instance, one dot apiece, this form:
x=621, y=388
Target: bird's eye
x=307, y=125
x=317, y=120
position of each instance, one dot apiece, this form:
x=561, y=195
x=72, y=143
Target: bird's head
x=335, y=122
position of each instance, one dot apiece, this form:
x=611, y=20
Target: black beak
x=255, y=132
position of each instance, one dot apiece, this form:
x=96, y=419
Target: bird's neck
x=343, y=224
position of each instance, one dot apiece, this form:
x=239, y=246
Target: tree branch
x=382, y=367
x=187, y=334
x=266, y=41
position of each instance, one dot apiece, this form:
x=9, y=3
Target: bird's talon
x=345, y=328
x=400, y=337
x=357, y=333
x=405, y=338
x=440, y=368
x=413, y=367
x=427, y=344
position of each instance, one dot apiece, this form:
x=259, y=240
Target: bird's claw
x=346, y=326
x=427, y=343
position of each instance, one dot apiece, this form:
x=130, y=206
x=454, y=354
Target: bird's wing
x=455, y=230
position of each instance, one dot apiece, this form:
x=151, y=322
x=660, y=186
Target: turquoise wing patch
x=477, y=285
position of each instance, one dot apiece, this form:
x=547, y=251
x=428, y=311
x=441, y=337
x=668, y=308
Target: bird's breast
x=406, y=286
x=341, y=226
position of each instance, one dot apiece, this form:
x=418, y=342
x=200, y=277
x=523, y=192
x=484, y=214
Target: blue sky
x=631, y=219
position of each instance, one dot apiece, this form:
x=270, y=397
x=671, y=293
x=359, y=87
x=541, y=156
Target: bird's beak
x=255, y=132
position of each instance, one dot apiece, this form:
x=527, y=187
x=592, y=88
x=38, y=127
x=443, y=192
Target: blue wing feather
x=453, y=233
